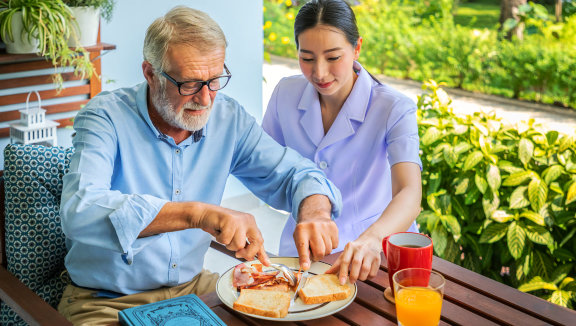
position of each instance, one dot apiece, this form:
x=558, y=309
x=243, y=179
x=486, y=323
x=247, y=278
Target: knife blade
x=300, y=284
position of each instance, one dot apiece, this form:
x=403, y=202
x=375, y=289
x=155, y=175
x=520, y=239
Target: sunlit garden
x=497, y=199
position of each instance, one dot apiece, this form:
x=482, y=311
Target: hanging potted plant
x=42, y=27
x=87, y=17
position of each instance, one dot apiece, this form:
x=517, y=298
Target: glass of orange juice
x=419, y=293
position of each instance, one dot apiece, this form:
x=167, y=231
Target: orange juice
x=418, y=306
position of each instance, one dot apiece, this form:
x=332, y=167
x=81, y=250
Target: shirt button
x=323, y=165
x=177, y=191
x=178, y=151
x=174, y=265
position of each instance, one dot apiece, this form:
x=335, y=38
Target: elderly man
x=140, y=202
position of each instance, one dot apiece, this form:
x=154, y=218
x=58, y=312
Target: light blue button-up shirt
x=375, y=129
x=124, y=170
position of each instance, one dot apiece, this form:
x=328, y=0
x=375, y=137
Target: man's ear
x=148, y=71
x=357, y=49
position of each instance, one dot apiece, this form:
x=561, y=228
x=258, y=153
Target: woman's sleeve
x=271, y=122
x=402, y=138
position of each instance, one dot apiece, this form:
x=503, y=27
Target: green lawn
x=478, y=14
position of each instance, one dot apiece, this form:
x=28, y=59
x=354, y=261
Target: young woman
x=363, y=134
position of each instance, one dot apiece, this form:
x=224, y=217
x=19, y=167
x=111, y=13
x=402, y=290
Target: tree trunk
x=509, y=9
x=558, y=10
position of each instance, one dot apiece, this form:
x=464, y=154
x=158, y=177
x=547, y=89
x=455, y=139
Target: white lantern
x=33, y=127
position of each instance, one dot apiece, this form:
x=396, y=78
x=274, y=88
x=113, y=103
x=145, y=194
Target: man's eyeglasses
x=191, y=87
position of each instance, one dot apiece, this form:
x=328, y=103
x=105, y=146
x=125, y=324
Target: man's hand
x=316, y=234
x=236, y=230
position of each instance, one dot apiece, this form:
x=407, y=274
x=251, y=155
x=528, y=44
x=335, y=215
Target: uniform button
x=174, y=265
x=323, y=165
x=177, y=191
x=178, y=151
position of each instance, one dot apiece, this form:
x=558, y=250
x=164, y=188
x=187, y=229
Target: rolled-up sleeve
x=91, y=212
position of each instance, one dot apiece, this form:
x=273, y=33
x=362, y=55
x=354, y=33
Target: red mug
x=406, y=250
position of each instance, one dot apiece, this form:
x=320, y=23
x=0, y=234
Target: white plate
x=298, y=310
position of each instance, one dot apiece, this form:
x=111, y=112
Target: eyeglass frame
x=202, y=82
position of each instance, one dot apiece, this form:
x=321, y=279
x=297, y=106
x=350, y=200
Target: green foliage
x=48, y=21
x=492, y=188
x=106, y=6
x=402, y=41
x=279, y=28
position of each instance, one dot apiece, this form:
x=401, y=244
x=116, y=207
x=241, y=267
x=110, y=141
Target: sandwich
x=324, y=288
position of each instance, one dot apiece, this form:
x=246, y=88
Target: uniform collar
x=353, y=109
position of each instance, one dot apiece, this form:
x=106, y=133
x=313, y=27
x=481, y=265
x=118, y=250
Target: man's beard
x=180, y=119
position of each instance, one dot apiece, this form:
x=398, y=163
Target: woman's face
x=326, y=60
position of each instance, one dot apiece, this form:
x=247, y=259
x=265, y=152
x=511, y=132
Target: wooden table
x=469, y=299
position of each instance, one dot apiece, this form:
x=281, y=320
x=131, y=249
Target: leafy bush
x=499, y=199
x=422, y=43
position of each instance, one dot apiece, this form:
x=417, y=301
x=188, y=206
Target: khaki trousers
x=81, y=308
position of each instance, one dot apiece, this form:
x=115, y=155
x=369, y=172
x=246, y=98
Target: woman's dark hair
x=335, y=13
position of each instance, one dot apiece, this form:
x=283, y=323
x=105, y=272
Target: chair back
x=33, y=242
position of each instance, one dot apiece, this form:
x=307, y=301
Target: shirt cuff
x=316, y=186
x=130, y=219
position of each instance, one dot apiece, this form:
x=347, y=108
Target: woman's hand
x=360, y=259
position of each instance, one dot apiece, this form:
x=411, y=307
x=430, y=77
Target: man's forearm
x=174, y=216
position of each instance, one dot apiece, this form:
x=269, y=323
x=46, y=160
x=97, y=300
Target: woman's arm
x=361, y=258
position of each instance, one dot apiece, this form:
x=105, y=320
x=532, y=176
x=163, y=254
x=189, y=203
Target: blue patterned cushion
x=35, y=246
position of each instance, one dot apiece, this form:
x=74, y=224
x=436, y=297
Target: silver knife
x=300, y=285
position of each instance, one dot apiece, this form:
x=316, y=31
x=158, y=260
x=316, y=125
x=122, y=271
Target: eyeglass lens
x=214, y=84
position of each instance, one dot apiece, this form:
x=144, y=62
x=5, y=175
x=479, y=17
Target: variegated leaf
x=518, y=178
x=451, y=223
x=431, y=135
x=525, y=151
x=561, y=298
x=537, y=193
x=472, y=160
x=501, y=216
x=493, y=177
x=516, y=237
x=493, y=233
x=552, y=173
x=440, y=239
x=534, y=217
x=490, y=204
x=537, y=283
x=480, y=183
x=571, y=194
x=538, y=234
x=461, y=186
x=518, y=198
x=462, y=147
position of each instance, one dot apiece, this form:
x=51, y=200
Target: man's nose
x=203, y=96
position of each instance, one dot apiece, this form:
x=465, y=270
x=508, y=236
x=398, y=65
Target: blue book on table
x=182, y=311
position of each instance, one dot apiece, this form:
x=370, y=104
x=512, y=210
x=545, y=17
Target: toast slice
x=324, y=288
x=263, y=303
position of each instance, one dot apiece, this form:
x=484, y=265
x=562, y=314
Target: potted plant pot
x=22, y=41
x=86, y=26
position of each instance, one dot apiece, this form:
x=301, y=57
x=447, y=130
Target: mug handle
x=385, y=245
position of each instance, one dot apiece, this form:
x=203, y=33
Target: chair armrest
x=27, y=304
